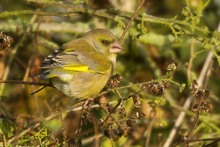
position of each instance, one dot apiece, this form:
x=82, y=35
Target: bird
x=82, y=67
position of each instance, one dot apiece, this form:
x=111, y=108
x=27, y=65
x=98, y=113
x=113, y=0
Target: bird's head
x=104, y=42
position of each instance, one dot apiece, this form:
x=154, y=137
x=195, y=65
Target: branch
x=25, y=83
x=131, y=20
x=105, y=13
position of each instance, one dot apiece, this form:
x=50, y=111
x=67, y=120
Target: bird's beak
x=115, y=47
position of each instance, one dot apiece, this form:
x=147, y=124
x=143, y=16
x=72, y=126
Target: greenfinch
x=82, y=67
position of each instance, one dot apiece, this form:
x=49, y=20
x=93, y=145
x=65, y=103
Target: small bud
x=136, y=100
x=157, y=88
x=171, y=67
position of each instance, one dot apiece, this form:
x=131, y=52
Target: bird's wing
x=77, y=55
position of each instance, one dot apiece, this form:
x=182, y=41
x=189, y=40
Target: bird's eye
x=105, y=42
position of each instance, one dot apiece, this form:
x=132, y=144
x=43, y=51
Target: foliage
x=169, y=44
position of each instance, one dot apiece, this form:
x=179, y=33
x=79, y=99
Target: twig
x=189, y=99
x=131, y=20
x=91, y=139
x=23, y=133
x=190, y=60
x=195, y=122
x=25, y=82
x=38, y=90
x=3, y=140
x=205, y=83
x=149, y=132
x=213, y=143
x=96, y=130
x=204, y=139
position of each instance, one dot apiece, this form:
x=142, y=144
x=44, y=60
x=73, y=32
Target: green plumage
x=82, y=67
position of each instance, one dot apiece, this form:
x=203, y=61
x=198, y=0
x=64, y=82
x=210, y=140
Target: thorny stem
x=195, y=122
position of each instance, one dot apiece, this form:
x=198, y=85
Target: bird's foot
x=87, y=103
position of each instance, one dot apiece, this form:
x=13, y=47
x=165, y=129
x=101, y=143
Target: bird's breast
x=81, y=84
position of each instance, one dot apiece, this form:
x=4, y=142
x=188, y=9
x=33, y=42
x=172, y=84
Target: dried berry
x=114, y=81
x=5, y=41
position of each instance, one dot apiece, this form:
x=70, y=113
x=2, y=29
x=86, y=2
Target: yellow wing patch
x=76, y=67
